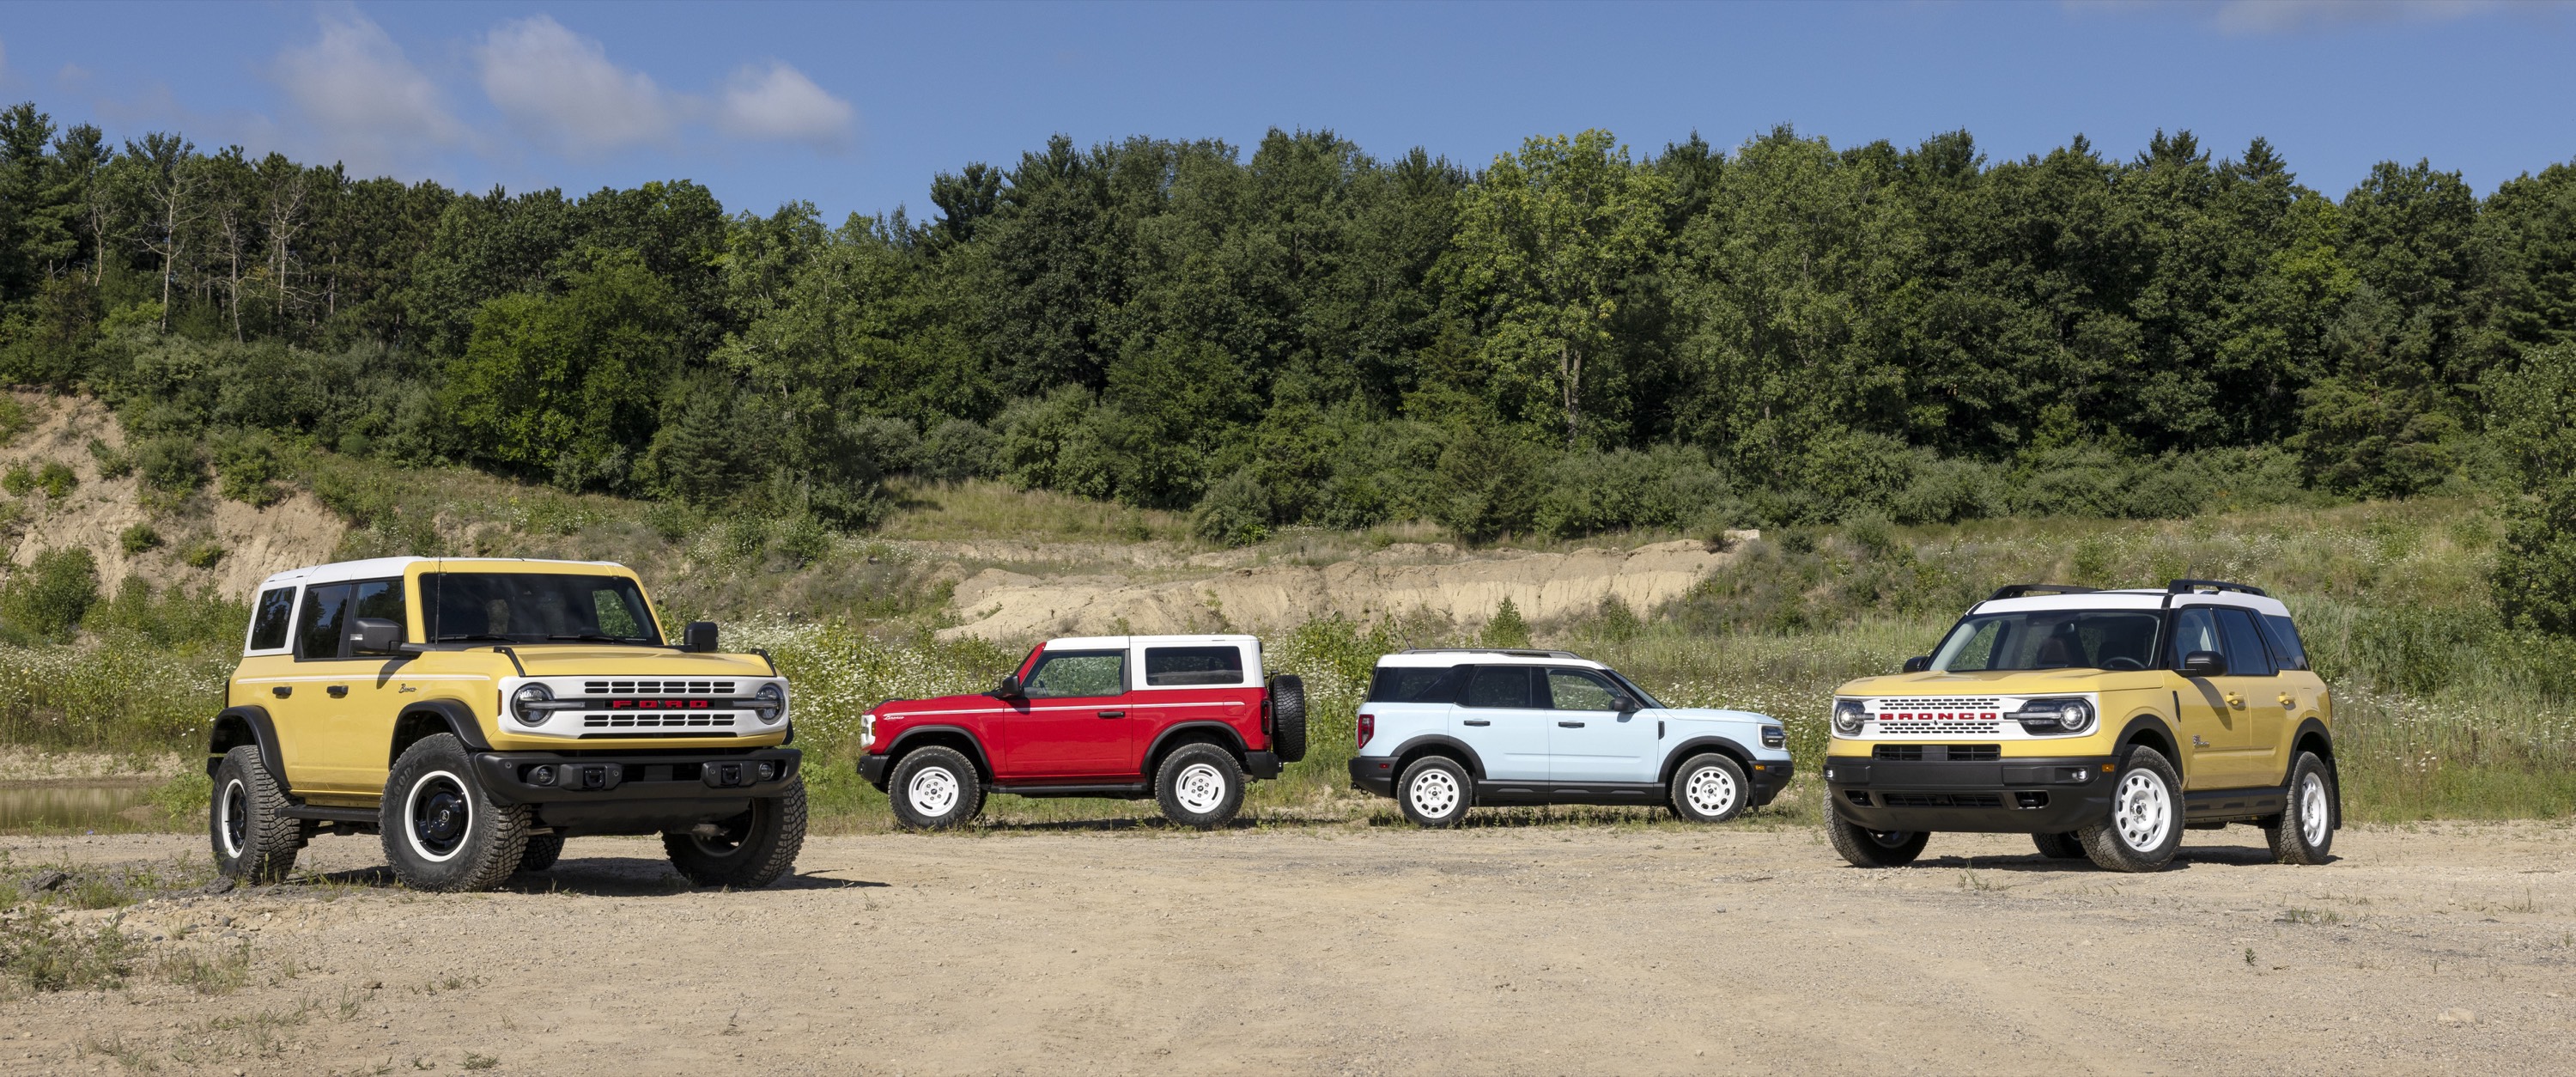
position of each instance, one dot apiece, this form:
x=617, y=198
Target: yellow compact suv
x=475, y=713
x=2101, y=723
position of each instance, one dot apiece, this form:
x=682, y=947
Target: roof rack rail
x=2017, y=590
x=2184, y=587
x=1516, y=652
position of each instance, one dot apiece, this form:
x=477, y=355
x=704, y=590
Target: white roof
x=1120, y=643
x=2139, y=598
x=377, y=568
x=1486, y=656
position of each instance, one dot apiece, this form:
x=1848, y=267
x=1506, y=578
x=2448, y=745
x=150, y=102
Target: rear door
x=1591, y=740
x=2254, y=691
x=1071, y=721
x=1503, y=717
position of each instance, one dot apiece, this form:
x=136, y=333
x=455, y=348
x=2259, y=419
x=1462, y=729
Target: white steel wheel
x=1712, y=791
x=1434, y=793
x=2142, y=811
x=2316, y=817
x=1200, y=789
x=441, y=816
x=932, y=792
x=232, y=818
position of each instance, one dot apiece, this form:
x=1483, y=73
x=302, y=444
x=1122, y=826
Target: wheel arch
x=237, y=726
x=1170, y=740
x=1440, y=743
x=431, y=717
x=2313, y=736
x=950, y=736
x=2152, y=730
x=1722, y=745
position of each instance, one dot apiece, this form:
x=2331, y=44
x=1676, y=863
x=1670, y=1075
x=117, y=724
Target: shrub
x=957, y=450
x=56, y=479
x=1507, y=629
x=247, y=466
x=138, y=538
x=13, y=419
x=18, y=481
x=1667, y=487
x=2535, y=574
x=112, y=464
x=806, y=540
x=203, y=553
x=171, y=465
x=1494, y=484
x=1236, y=512
x=45, y=954
x=47, y=599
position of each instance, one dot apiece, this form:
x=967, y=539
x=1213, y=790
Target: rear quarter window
x=1415, y=684
x=268, y=622
x=1177, y=667
x=2286, y=645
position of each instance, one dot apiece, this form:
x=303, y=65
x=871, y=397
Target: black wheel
x=1435, y=792
x=247, y=823
x=935, y=788
x=1709, y=789
x=542, y=852
x=1867, y=848
x=2145, y=827
x=441, y=833
x=748, y=851
x=2064, y=846
x=2304, y=831
x=1199, y=785
x=1288, y=717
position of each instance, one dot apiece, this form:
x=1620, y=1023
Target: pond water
x=109, y=806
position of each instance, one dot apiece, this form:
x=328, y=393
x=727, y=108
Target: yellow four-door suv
x=475, y=713
x=2102, y=723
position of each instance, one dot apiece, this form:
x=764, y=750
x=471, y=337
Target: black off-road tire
x=2064, y=846
x=1199, y=786
x=951, y=793
x=441, y=832
x=2304, y=831
x=1867, y=848
x=1288, y=717
x=1436, y=792
x=542, y=851
x=246, y=821
x=1709, y=788
x=2144, y=828
x=748, y=851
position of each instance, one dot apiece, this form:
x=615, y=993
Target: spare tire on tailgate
x=1288, y=717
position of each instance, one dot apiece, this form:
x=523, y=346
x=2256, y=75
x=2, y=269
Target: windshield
x=535, y=607
x=2050, y=639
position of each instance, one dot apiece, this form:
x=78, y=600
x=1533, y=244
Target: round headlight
x=1848, y=716
x=2074, y=715
x=521, y=700
x=770, y=702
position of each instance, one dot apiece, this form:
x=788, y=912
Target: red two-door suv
x=1181, y=719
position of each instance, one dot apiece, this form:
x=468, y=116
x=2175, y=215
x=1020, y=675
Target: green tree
x=569, y=384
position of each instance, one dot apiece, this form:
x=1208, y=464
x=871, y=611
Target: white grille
x=623, y=720
x=1951, y=703
x=1953, y=715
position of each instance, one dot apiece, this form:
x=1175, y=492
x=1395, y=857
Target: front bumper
x=1768, y=777
x=2006, y=796
x=872, y=769
x=1373, y=774
x=587, y=778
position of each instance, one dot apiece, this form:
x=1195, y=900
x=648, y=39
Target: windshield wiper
x=476, y=637
x=594, y=637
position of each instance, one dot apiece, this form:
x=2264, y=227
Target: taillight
x=1368, y=728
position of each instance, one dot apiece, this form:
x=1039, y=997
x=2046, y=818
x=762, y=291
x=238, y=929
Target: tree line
x=1572, y=338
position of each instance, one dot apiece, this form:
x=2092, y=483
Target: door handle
x=2236, y=701
x=338, y=691
x=1113, y=714
x=1570, y=725
x=2289, y=702
x=1479, y=721
x=282, y=691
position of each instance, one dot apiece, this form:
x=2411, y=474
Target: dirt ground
x=1352, y=949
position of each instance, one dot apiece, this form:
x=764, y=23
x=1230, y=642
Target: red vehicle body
x=1181, y=719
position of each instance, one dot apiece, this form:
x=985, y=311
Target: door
x=304, y=716
x=2215, y=724
x=1500, y=716
x=361, y=724
x=1591, y=739
x=2256, y=694
x=1070, y=722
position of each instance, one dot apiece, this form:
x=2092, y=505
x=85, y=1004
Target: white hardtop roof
x=2137, y=598
x=1120, y=643
x=1485, y=656
x=377, y=568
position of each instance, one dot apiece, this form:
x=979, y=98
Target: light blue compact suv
x=1445, y=730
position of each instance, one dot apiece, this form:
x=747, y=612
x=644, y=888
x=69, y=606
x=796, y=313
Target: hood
x=896, y=708
x=1710, y=714
x=577, y=659
x=2018, y=682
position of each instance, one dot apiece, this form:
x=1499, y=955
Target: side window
x=2285, y=642
x=268, y=625
x=1173, y=667
x=318, y=629
x=2244, y=644
x=1575, y=690
x=2195, y=629
x=1416, y=684
x=1079, y=673
x=382, y=599
x=1498, y=686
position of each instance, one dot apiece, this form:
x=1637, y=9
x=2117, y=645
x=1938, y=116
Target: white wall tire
x=2144, y=827
x=935, y=788
x=440, y=832
x=1709, y=788
x=246, y=823
x=1435, y=792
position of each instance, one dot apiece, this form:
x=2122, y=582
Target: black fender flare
x=2162, y=728
x=974, y=746
x=1231, y=739
x=430, y=717
x=1475, y=763
x=2311, y=726
x=237, y=726
x=1695, y=745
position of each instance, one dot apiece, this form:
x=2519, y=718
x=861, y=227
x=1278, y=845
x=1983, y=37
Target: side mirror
x=375, y=635
x=2204, y=664
x=1918, y=663
x=1008, y=689
x=699, y=636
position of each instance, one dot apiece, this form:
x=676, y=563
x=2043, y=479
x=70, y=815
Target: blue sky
x=855, y=107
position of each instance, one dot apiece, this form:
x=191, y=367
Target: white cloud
x=362, y=100
x=560, y=87
x=778, y=102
